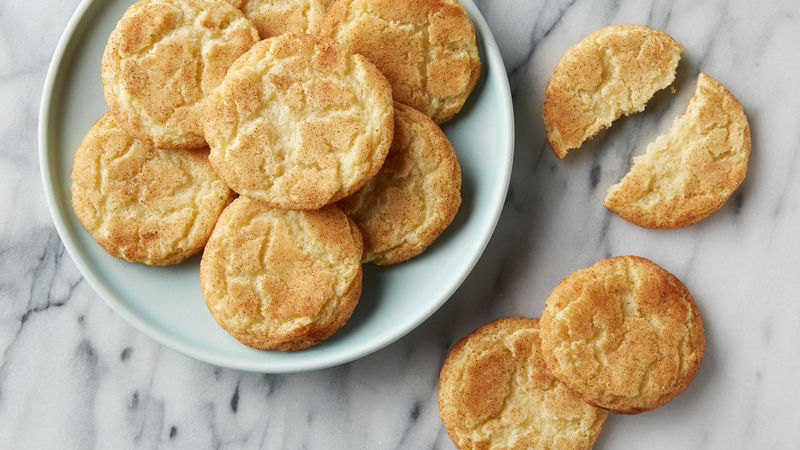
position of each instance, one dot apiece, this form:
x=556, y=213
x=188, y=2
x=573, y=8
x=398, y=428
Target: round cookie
x=690, y=172
x=163, y=58
x=426, y=48
x=623, y=334
x=143, y=204
x=611, y=72
x=283, y=280
x=495, y=392
x=414, y=196
x=299, y=123
x=276, y=17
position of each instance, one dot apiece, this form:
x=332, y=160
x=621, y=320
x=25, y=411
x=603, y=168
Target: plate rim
x=45, y=140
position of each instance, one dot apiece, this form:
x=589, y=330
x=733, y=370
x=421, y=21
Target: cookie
x=276, y=17
x=163, y=58
x=143, y=204
x=690, y=172
x=611, y=72
x=623, y=334
x=414, y=197
x=495, y=392
x=426, y=48
x=299, y=123
x=283, y=280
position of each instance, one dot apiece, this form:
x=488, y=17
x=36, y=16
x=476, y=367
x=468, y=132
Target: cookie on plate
x=690, y=172
x=278, y=279
x=611, y=72
x=275, y=17
x=495, y=392
x=426, y=48
x=163, y=58
x=143, y=204
x=299, y=122
x=414, y=196
x=623, y=334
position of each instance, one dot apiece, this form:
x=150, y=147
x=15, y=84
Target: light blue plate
x=166, y=303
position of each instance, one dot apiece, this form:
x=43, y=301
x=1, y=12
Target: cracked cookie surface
x=414, y=196
x=163, y=58
x=426, y=48
x=690, y=172
x=624, y=334
x=495, y=392
x=278, y=279
x=143, y=204
x=299, y=122
x=613, y=71
x=276, y=17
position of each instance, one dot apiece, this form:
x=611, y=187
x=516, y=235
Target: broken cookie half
x=611, y=72
x=691, y=171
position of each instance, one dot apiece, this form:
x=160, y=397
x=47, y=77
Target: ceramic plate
x=166, y=302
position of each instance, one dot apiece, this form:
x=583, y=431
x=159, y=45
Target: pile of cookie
x=623, y=335
x=291, y=140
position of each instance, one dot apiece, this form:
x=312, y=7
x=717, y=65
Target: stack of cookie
x=292, y=160
x=623, y=335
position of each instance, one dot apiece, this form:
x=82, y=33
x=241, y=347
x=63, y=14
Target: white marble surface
x=75, y=375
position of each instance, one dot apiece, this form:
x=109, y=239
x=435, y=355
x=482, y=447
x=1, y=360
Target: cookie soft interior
x=691, y=171
x=612, y=72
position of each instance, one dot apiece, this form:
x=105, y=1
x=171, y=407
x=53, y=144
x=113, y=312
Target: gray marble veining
x=75, y=375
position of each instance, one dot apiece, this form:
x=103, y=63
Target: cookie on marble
x=278, y=279
x=611, y=72
x=299, y=122
x=163, y=58
x=495, y=392
x=276, y=17
x=414, y=196
x=690, y=172
x=143, y=204
x=623, y=334
x=426, y=48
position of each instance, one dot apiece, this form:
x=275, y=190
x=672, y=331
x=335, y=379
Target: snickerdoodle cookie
x=278, y=279
x=275, y=17
x=414, y=196
x=163, y=58
x=691, y=171
x=623, y=334
x=495, y=392
x=143, y=204
x=611, y=72
x=299, y=122
x=426, y=48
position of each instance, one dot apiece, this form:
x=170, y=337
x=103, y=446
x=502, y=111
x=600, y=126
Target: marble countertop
x=75, y=375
